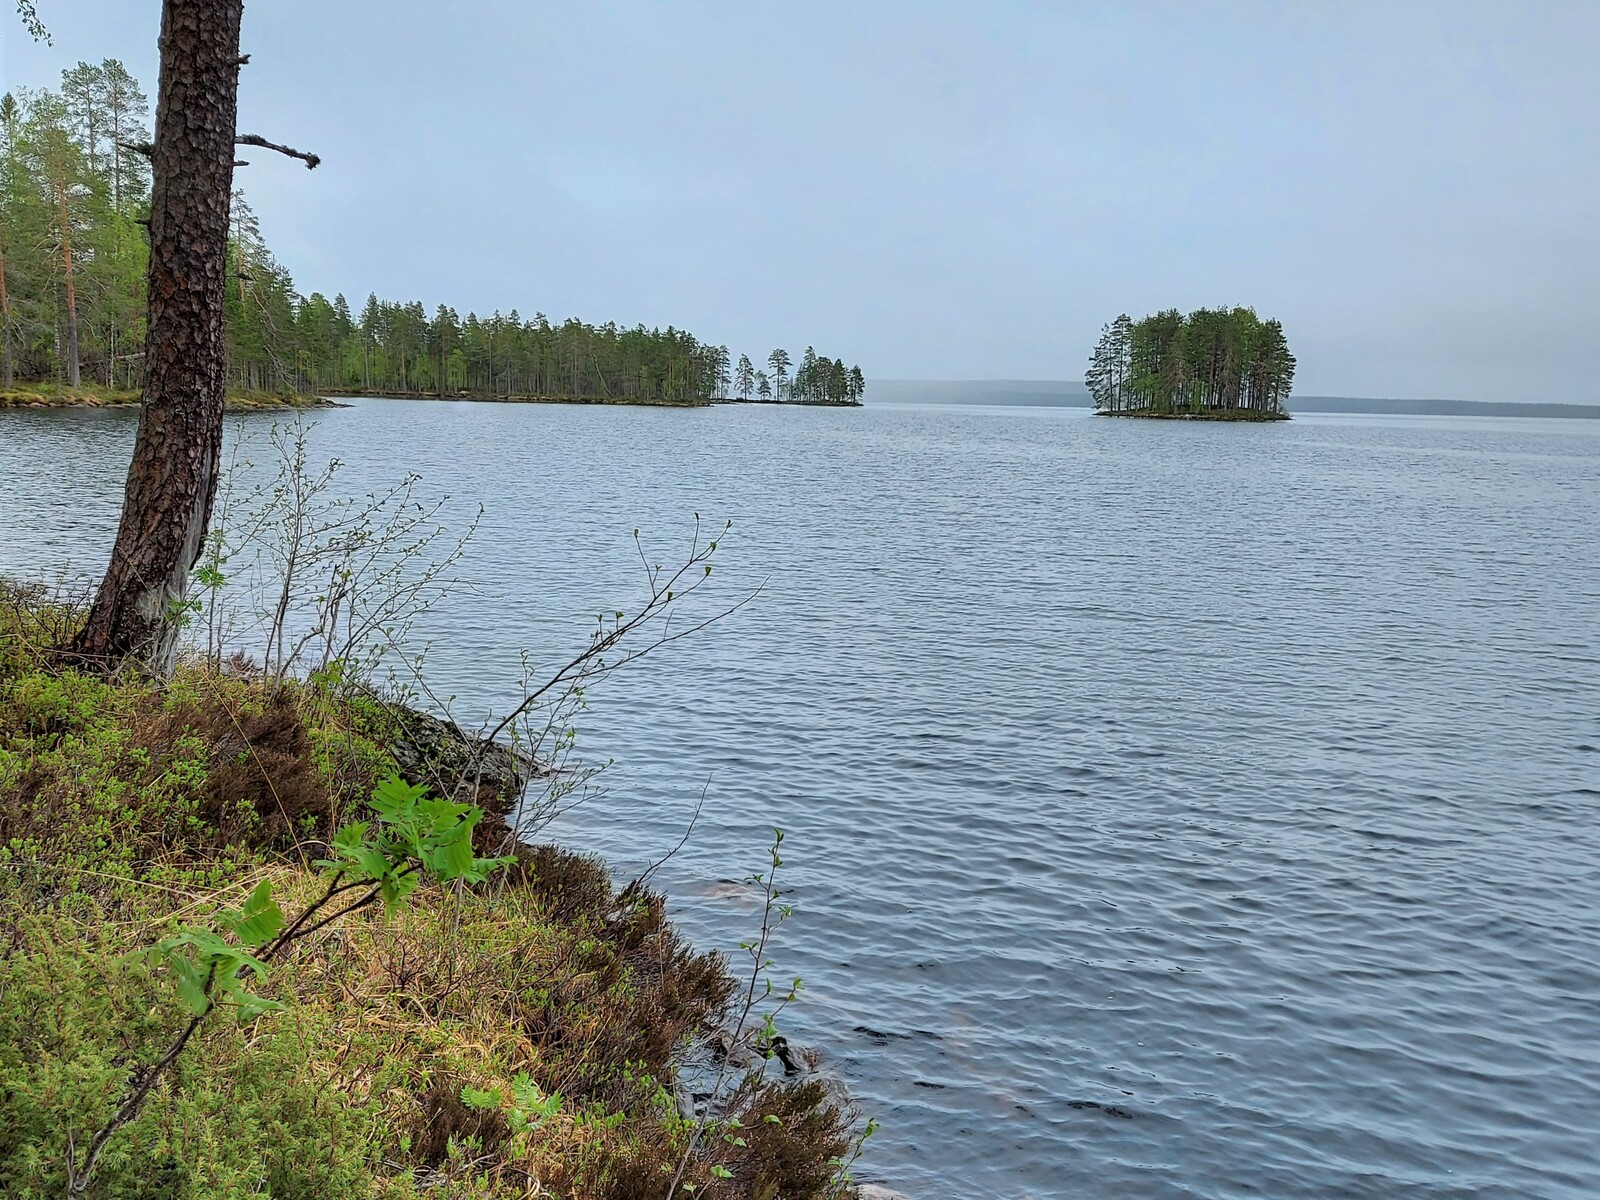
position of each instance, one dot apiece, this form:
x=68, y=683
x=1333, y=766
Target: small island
x=1212, y=365
x=819, y=380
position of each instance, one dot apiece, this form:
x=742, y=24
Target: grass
x=92, y=395
x=130, y=808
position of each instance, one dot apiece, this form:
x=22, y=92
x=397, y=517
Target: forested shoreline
x=74, y=252
x=1216, y=364
x=273, y=928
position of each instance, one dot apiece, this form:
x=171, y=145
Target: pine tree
x=126, y=111
x=74, y=201
x=1220, y=361
x=806, y=380
x=778, y=360
x=83, y=92
x=172, y=480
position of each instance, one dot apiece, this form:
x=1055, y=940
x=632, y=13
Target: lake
x=1172, y=810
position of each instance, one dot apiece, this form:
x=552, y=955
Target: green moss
x=240, y=1117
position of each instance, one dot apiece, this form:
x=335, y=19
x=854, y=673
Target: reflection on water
x=1174, y=811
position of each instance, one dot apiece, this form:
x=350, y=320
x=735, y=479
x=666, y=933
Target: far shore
x=632, y=401
x=479, y=397
x=791, y=403
x=1213, y=414
x=54, y=395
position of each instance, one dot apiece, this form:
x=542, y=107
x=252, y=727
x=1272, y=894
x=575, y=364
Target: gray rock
x=457, y=764
x=874, y=1191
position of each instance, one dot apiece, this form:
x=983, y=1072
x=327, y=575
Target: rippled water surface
x=1172, y=810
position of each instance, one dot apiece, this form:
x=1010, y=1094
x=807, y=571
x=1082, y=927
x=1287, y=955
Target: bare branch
x=143, y=1081
x=255, y=139
x=145, y=148
x=638, y=885
x=241, y=60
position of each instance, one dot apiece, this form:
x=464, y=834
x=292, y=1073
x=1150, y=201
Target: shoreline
x=26, y=396
x=1221, y=414
x=791, y=403
x=479, y=398
x=616, y=401
x=42, y=396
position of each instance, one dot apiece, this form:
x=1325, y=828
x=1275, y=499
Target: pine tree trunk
x=73, y=378
x=176, y=457
x=5, y=323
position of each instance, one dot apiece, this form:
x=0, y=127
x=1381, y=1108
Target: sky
x=941, y=190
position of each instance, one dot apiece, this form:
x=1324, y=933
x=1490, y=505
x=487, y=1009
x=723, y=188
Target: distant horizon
x=1076, y=387
x=1066, y=393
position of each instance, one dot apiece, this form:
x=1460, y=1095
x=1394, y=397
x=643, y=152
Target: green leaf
x=396, y=888
x=249, y=1006
x=371, y=862
x=342, y=844
x=482, y=868
x=394, y=798
x=453, y=859
x=482, y=1099
x=260, y=920
x=191, y=985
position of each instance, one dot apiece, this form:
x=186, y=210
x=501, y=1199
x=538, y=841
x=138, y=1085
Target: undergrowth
x=512, y=1038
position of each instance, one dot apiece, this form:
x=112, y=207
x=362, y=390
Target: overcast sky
x=942, y=190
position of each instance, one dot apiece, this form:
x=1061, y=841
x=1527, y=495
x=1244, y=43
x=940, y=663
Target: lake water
x=1173, y=810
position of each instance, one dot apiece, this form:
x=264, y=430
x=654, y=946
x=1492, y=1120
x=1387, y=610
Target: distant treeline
x=1211, y=361
x=74, y=192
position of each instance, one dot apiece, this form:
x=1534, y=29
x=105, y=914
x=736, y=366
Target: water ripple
x=1173, y=812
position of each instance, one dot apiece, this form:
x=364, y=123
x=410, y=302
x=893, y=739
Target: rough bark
x=172, y=481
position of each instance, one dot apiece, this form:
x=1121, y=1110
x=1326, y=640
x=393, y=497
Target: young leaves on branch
x=206, y=966
x=415, y=835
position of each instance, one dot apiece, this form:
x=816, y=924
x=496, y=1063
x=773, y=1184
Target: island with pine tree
x=818, y=380
x=1212, y=365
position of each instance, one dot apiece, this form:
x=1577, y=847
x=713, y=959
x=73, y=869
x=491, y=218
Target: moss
x=130, y=808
